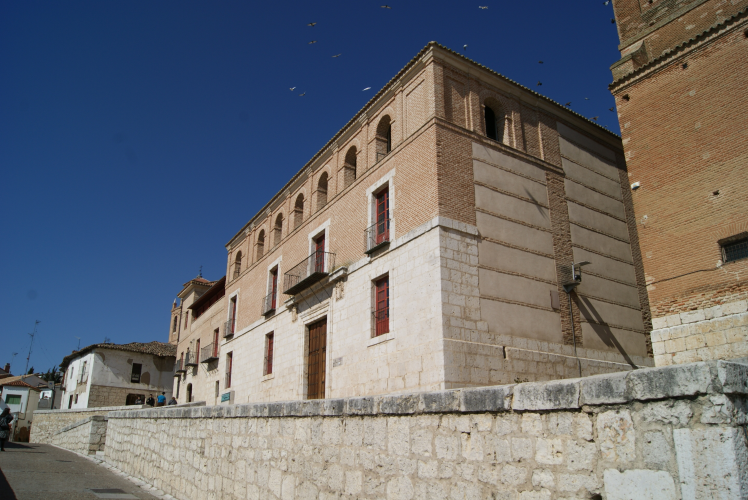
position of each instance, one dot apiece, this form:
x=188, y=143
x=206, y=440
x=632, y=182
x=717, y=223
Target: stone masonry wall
x=47, y=423
x=86, y=437
x=667, y=433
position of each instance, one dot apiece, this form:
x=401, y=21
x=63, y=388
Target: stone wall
x=718, y=332
x=47, y=423
x=667, y=433
x=87, y=436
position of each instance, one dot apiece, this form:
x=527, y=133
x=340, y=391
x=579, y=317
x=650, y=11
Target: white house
x=22, y=398
x=117, y=374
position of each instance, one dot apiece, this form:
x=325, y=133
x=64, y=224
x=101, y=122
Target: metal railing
x=377, y=236
x=268, y=303
x=179, y=367
x=228, y=329
x=307, y=272
x=190, y=359
x=381, y=321
x=209, y=353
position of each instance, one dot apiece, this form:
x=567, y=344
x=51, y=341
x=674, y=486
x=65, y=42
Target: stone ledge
x=99, y=408
x=712, y=377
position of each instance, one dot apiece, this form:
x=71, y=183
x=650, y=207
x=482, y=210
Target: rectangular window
x=269, y=353
x=382, y=233
x=382, y=306
x=218, y=388
x=215, y=343
x=135, y=375
x=735, y=248
x=229, y=365
x=13, y=399
x=186, y=320
x=273, y=287
x=231, y=323
x=319, y=250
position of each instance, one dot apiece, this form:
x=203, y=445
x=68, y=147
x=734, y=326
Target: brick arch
x=274, y=226
x=296, y=215
x=728, y=230
x=509, y=107
x=322, y=198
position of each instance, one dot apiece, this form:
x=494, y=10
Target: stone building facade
x=116, y=374
x=678, y=88
x=427, y=246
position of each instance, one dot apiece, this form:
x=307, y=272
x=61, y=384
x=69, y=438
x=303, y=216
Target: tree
x=31, y=371
x=52, y=375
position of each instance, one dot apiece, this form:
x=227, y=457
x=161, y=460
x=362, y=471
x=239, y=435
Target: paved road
x=43, y=472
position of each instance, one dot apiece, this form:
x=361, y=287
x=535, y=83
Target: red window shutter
x=269, y=355
x=274, y=287
x=383, y=217
x=319, y=260
x=382, y=311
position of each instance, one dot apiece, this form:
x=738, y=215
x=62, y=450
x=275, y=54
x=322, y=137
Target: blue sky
x=137, y=138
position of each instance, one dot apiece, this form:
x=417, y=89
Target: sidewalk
x=44, y=472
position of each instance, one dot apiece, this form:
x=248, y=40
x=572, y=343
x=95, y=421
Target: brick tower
x=680, y=89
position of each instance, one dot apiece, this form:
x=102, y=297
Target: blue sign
x=226, y=396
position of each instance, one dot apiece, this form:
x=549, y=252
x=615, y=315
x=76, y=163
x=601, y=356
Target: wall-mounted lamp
x=635, y=186
x=576, y=276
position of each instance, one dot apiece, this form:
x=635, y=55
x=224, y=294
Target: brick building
x=426, y=246
x=680, y=89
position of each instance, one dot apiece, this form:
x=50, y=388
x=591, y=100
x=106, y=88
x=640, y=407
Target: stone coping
x=710, y=377
x=116, y=408
x=81, y=422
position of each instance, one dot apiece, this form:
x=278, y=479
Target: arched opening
x=189, y=393
x=174, y=327
x=238, y=264
x=384, y=137
x=261, y=244
x=322, y=191
x=298, y=211
x=278, y=230
x=349, y=167
x=495, y=121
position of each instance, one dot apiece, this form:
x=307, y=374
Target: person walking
x=5, y=420
x=161, y=400
x=150, y=401
x=172, y=401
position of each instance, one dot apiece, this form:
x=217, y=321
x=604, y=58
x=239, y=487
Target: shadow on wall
x=597, y=323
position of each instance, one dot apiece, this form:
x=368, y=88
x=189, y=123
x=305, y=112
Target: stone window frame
x=375, y=276
x=313, y=235
x=234, y=294
x=276, y=264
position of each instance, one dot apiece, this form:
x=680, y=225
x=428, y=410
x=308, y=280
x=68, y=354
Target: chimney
x=7, y=368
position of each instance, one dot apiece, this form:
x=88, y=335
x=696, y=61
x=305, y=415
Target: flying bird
x=302, y=94
x=337, y=55
x=611, y=109
x=568, y=104
x=386, y=7
x=292, y=89
x=312, y=24
x=606, y=2
x=484, y=7
x=612, y=21
x=367, y=88
x=313, y=41
x=595, y=118
x=464, y=47
x=540, y=62
x=540, y=83
x=586, y=98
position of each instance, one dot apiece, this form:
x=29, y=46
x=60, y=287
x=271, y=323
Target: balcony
x=209, y=353
x=377, y=236
x=180, y=367
x=190, y=359
x=268, y=304
x=228, y=329
x=308, y=272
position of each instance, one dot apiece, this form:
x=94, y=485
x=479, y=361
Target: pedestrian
x=161, y=399
x=5, y=420
x=150, y=401
x=139, y=401
x=172, y=401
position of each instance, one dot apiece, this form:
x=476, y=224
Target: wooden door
x=316, y=360
x=319, y=260
x=383, y=217
x=382, y=311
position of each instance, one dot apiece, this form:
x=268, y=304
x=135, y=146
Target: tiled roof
x=17, y=381
x=155, y=348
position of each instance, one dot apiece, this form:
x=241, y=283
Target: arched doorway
x=189, y=393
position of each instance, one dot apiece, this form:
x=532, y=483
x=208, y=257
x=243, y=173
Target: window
x=260, y=244
x=215, y=343
x=13, y=399
x=349, y=167
x=382, y=306
x=322, y=191
x=272, y=296
x=734, y=248
x=384, y=137
x=231, y=323
x=229, y=365
x=319, y=251
x=179, y=380
x=238, y=264
x=76, y=399
x=135, y=375
x=278, y=230
x=70, y=402
x=269, y=353
x=218, y=388
x=174, y=328
x=298, y=211
x=494, y=118
x=186, y=320
x=197, y=348
x=382, y=232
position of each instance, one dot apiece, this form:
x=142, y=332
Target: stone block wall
x=47, y=423
x=667, y=433
x=717, y=332
x=87, y=436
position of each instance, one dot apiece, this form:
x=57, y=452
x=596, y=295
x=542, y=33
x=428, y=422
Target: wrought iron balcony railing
x=179, y=367
x=381, y=321
x=228, y=329
x=308, y=272
x=269, y=303
x=377, y=236
x=190, y=359
x=209, y=353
